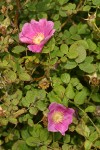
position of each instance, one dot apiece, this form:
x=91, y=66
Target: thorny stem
x=64, y=24
x=90, y=120
x=79, y=7
x=91, y=94
x=17, y=13
x=97, y=129
x=26, y=51
x=47, y=73
x=96, y=27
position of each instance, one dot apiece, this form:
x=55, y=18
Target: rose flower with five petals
x=36, y=34
x=59, y=118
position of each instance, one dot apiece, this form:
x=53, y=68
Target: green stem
x=97, y=129
x=96, y=27
x=53, y=137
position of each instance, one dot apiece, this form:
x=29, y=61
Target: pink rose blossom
x=59, y=118
x=36, y=34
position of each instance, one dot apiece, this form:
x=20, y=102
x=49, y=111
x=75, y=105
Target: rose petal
x=46, y=26
x=36, y=27
x=27, y=34
x=51, y=127
x=62, y=128
x=35, y=48
x=52, y=106
x=25, y=39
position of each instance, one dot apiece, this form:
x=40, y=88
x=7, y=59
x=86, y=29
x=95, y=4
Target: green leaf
x=86, y=8
x=63, y=59
x=43, y=6
x=93, y=137
x=3, y=64
x=50, y=46
x=57, y=136
x=55, y=60
x=56, y=53
x=11, y=76
x=16, y=95
x=53, y=97
x=75, y=37
x=56, y=17
x=31, y=6
x=40, y=94
x=41, y=105
x=64, y=48
x=56, y=81
x=15, y=102
x=90, y=109
x=43, y=148
x=69, y=6
x=33, y=141
x=6, y=22
x=66, y=34
x=59, y=90
x=75, y=50
x=83, y=129
x=87, y=145
x=42, y=15
x=81, y=54
x=95, y=97
x=65, y=77
x=62, y=13
x=87, y=67
x=30, y=122
x=61, y=2
x=35, y=130
x=20, y=145
x=4, y=122
x=13, y=120
x=72, y=52
x=32, y=96
x=73, y=29
x=18, y=49
x=29, y=95
x=79, y=86
x=33, y=110
x=89, y=59
x=65, y=147
x=70, y=91
x=81, y=96
x=24, y=76
x=57, y=25
x=82, y=29
x=24, y=133
x=96, y=2
x=74, y=81
x=92, y=45
x=44, y=135
x=82, y=43
x=97, y=144
x=70, y=64
x=67, y=138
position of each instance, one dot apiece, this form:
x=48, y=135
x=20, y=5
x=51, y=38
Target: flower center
x=57, y=117
x=38, y=38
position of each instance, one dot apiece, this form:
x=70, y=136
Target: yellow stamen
x=57, y=117
x=38, y=38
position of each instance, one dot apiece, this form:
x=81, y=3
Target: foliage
x=67, y=71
